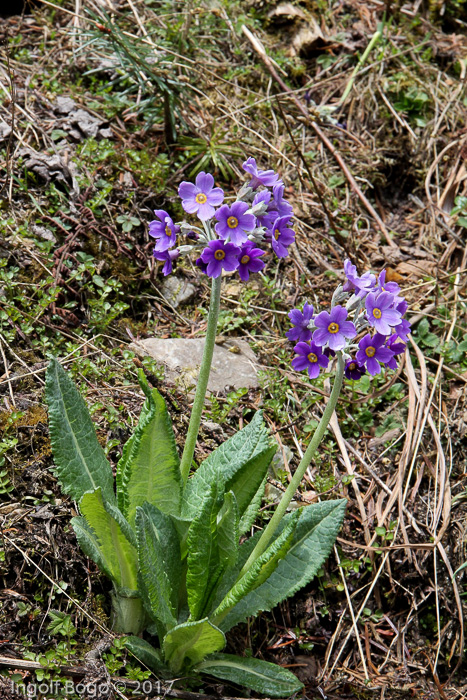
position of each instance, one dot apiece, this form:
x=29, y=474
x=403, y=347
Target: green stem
x=205, y=369
x=374, y=40
x=128, y=616
x=279, y=513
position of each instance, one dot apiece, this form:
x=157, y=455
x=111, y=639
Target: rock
x=5, y=130
x=51, y=167
x=64, y=105
x=177, y=290
x=43, y=232
x=86, y=123
x=234, y=363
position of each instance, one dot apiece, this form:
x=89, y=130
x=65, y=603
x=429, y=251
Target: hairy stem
x=279, y=513
x=205, y=369
x=128, y=616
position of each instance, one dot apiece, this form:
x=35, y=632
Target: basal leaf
x=159, y=564
x=203, y=554
x=316, y=531
x=80, y=462
x=149, y=467
x=227, y=462
x=119, y=555
x=251, y=512
x=259, y=571
x=190, y=642
x=255, y=674
x=247, y=480
x=227, y=531
x=148, y=655
x=227, y=548
x=90, y=545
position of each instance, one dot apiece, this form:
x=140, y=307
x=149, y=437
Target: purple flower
x=359, y=285
x=353, y=370
x=165, y=230
x=267, y=219
x=402, y=306
x=202, y=265
x=311, y=357
x=391, y=287
x=220, y=256
x=403, y=329
x=169, y=256
x=381, y=313
x=396, y=347
x=249, y=260
x=234, y=222
x=283, y=207
x=333, y=328
x=372, y=351
x=281, y=236
x=201, y=198
x=268, y=178
x=301, y=320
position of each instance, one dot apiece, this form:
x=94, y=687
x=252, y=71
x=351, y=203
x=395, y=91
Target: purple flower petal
x=205, y=182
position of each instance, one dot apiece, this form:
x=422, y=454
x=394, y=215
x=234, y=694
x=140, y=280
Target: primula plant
x=175, y=545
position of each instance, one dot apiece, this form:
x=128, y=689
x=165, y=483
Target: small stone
x=181, y=358
x=43, y=232
x=5, y=130
x=64, y=105
x=86, y=123
x=177, y=290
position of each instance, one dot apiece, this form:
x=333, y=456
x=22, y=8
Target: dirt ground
x=105, y=107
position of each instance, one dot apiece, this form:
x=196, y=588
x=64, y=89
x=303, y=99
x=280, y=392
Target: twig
x=12, y=96
x=311, y=176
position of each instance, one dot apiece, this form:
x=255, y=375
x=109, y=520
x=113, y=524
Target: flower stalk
x=318, y=435
x=201, y=387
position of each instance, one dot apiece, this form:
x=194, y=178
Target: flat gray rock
x=234, y=366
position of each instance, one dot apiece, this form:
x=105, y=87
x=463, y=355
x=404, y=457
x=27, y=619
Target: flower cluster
x=230, y=235
x=376, y=308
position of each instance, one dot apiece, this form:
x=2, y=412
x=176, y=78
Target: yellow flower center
x=370, y=352
x=219, y=255
x=377, y=313
x=201, y=198
x=232, y=222
x=333, y=327
x=168, y=232
x=352, y=366
x=245, y=259
x=277, y=233
x=312, y=357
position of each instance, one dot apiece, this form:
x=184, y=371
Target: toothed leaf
x=80, y=462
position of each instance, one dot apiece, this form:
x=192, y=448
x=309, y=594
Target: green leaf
x=192, y=642
x=90, y=545
x=227, y=553
x=314, y=536
x=248, y=479
x=147, y=655
x=227, y=531
x=119, y=556
x=159, y=564
x=81, y=464
x=251, y=512
x=149, y=467
x=203, y=553
x=255, y=674
x=240, y=462
x=259, y=571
